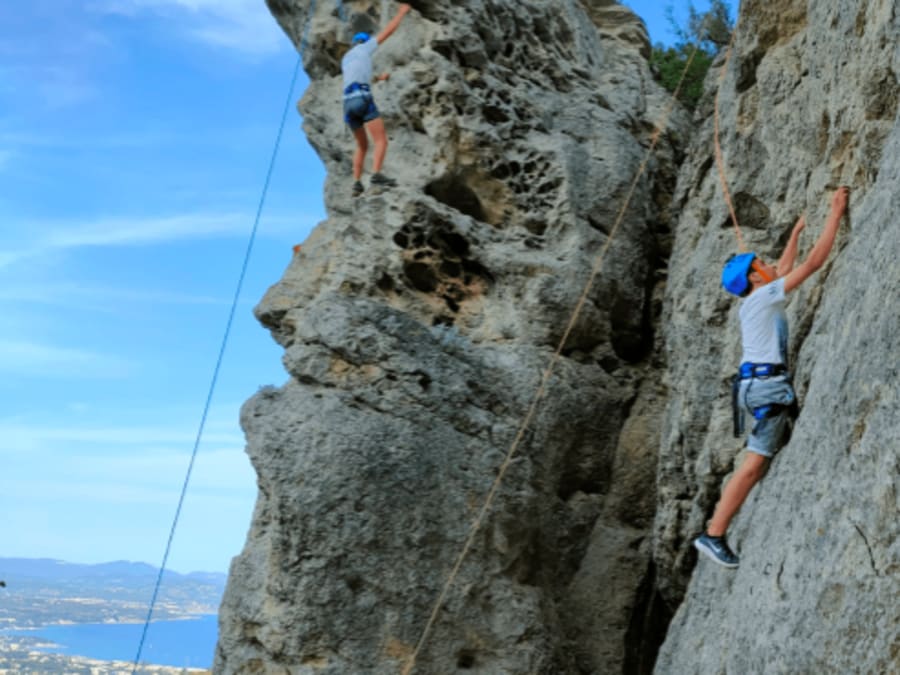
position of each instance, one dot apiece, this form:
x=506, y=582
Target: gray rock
x=809, y=102
x=416, y=324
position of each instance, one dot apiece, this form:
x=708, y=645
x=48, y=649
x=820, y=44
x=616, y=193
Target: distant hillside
x=47, y=568
x=45, y=591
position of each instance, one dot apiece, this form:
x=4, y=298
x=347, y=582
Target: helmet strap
x=756, y=267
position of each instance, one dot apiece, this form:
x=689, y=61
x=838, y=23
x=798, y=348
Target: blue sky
x=134, y=139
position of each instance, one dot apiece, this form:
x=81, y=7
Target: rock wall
x=416, y=323
x=809, y=101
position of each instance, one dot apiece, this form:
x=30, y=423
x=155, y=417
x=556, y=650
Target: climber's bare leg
x=379, y=138
x=362, y=147
x=736, y=490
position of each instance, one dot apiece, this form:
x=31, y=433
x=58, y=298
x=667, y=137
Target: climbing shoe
x=716, y=549
x=383, y=181
x=357, y=189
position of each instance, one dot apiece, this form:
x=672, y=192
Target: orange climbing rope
x=720, y=162
x=545, y=378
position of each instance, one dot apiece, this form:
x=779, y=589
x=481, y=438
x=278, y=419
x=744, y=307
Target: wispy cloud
x=49, y=52
x=124, y=232
x=119, y=504
x=32, y=436
x=98, y=298
x=240, y=25
x=41, y=360
x=159, y=431
x=145, y=231
x=60, y=237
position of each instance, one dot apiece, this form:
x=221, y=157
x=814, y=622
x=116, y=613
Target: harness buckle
x=357, y=87
x=750, y=370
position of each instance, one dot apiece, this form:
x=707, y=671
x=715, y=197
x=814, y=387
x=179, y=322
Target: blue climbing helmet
x=734, y=276
x=359, y=38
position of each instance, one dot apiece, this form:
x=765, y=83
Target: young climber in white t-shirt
x=360, y=112
x=763, y=384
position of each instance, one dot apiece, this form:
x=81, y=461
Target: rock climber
x=360, y=112
x=762, y=386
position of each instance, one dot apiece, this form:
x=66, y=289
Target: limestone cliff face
x=416, y=323
x=809, y=102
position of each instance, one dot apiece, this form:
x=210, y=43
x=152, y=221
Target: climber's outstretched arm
x=388, y=30
x=820, y=251
x=789, y=257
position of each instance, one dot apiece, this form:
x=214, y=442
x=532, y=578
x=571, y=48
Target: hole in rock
x=401, y=239
x=451, y=269
x=421, y=276
x=453, y=242
x=453, y=191
x=385, y=283
x=494, y=114
x=465, y=660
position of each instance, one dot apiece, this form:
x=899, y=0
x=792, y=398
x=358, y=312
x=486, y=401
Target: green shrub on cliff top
x=708, y=32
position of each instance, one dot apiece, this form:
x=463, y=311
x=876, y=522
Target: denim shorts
x=767, y=433
x=359, y=108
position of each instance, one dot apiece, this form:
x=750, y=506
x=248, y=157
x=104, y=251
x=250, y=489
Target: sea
x=189, y=643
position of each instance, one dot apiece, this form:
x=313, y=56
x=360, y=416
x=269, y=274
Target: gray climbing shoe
x=716, y=549
x=358, y=189
x=381, y=180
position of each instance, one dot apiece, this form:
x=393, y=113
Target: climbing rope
x=720, y=162
x=545, y=378
x=304, y=43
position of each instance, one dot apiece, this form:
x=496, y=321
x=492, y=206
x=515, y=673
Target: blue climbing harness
x=357, y=89
x=749, y=371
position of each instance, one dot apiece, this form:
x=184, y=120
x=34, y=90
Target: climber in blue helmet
x=360, y=112
x=762, y=386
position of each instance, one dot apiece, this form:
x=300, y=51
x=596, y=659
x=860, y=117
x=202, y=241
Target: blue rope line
x=228, y=325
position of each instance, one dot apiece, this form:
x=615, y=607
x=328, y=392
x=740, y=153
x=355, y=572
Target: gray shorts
x=765, y=438
x=359, y=108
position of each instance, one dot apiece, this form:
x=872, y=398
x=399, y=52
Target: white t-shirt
x=357, y=63
x=764, y=329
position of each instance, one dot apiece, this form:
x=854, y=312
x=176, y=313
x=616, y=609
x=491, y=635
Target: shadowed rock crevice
x=647, y=627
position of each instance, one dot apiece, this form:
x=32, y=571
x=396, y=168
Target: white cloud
x=36, y=436
x=98, y=298
x=47, y=238
x=37, y=360
x=147, y=231
x=49, y=52
x=124, y=232
x=241, y=25
x=102, y=480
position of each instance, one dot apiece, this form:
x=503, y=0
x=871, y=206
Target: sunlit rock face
x=808, y=102
x=416, y=324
